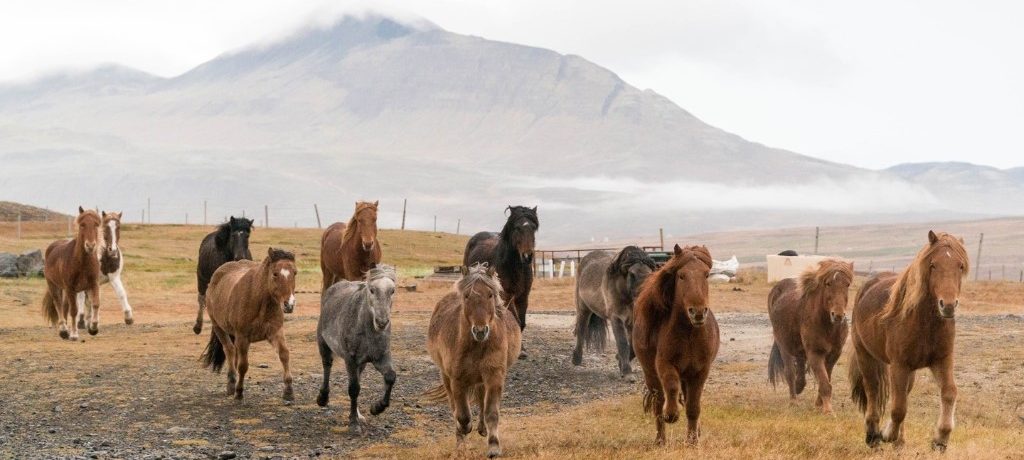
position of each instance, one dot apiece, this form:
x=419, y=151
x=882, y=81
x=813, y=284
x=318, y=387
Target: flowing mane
x=658, y=290
x=814, y=278
x=627, y=257
x=478, y=273
x=350, y=229
x=912, y=286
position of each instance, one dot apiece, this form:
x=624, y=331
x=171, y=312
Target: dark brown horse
x=73, y=266
x=511, y=254
x=675, y=336
x=810, y=328
x=230, y=242
x=904, y=323
x=247, y=301
x=474, y=340
x=347, y=252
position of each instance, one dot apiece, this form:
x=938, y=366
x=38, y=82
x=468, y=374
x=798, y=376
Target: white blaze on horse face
x=285, y=273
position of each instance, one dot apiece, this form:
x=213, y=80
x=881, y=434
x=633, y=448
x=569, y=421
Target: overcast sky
x=870, y=83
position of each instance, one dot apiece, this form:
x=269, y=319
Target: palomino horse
x=473, y=339
x=606, y=288
x=511, y=253
x=230, y=242
x=347, y=252
x=675, y=337
x=247, y=301
x=72, y=266
x=810, y=328
x=111, y=266
x=902, y=324
x=355, y=324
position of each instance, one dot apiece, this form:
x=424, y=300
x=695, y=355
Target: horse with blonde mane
x=809, y=327
x=906, y=322
x=348, y=251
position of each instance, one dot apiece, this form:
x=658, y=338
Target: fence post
x=204, y=213
x=458, y=227
x=186, y=218
x=404, y=202
x=19, y=224
x=817, y=232
x=977, y=262
x=317, y=211
x=266, y=217
x=661, y=236
x=149, y=210
x=435, y=223
x=69, y=226
x=143, y=216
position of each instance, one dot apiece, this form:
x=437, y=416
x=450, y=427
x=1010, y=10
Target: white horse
x=111, y=265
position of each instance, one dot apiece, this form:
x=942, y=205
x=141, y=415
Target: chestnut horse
x=810, y=328
x=73, y=266
x=347, y=252
x=902, y=324
x=246, y=302
x=675, y=337
x=473, y=339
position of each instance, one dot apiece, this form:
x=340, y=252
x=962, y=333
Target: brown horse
x=246, y=302
x=675, y=337
x=73, y=266
x=902, y=324
x=347, y=252
x=474, y=339
x=809, y=325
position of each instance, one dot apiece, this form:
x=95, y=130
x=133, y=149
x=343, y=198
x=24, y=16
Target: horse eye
x=373, y=291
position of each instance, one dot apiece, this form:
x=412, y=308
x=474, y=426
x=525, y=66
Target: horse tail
x=213, y=357
x=776, y=367
x=877, y=373
x=436, y=394
x=50, y=308
x=650, y=399
x=594, y=329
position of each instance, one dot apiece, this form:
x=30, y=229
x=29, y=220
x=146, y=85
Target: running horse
x=229, y=243
x=72, y=266
x=906, y=322
x=348, y=251
x=111, y=266
x=511, y=254
x=809, y=327
x=675, y=336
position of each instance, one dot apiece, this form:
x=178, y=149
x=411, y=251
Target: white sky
x=870, y=83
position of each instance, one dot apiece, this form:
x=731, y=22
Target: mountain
x=461, y=126
x=965, y=186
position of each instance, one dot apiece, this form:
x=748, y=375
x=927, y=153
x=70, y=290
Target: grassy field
x=553, y=410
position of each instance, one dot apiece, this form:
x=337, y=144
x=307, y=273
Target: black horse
x=228, y=244
x=511, y=253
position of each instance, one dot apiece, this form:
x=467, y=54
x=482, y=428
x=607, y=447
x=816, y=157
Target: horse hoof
x=355, y=429
x=481, y=430
x=238, y=395
x=81, y=323
x=129, y=321
x=322, y=399
x=577, y=359
x=873, y=440
x=288, y=396
x=94, y=329
x=522, y=354
x=494, y=451
x=378, y=408
x=629, y=378
x=939, y=447
x=64, y=335
x=198, y=328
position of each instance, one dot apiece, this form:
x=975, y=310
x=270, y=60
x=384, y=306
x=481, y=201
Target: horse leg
x=872, y=411
x=582, y=323
x=694, y=390
x=943, y=373
x=126, y=308
x=354, y=417
x=481, y=426
x=623, y=349
x=94, y=320
x=490, y=412
x=522, y=303
x=66, y=305
x=80, y=298
x=79, y=308
x=387, y=370
x=668, y=375
x=799, y=374
x=242, y=358
x=198, y=327
x=817, y=363
x=229, y=354
x=327, y=359
x=901, y=377
x=789, y=372
x=460, y=402
x=277, y=340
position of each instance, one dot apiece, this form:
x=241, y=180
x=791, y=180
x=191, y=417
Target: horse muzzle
x=369, y=246
x=697, y=315
x=836, y=318
x=90, y=247
x=380, y=325
x=480, y=334
x=289, y=305
x=948, y=311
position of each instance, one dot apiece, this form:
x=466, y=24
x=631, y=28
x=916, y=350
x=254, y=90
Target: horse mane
x=627, y=257
x=911, y=287
x=812, y=279
x=515, y=212
x=378, y=272
x=88, y=212
x=350, y=229
x=223, y=233
x=478, y=272
x=659, y=288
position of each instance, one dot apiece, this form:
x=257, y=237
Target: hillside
x=10, y=211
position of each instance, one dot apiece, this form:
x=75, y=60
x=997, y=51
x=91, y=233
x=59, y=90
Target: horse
x=348, y=251
x=809, y=327
x=904, y=323
x=247, y=301
x=675, y=337
x=606, y=288
x=229, y=243
x=473, y=339
x=355, y=324
x=511, y=253
x=111, y=266
x=72, y=266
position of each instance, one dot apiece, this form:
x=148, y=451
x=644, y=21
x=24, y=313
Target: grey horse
x=606, y=287
x=355, y=324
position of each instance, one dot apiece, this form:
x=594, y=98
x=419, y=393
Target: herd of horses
x=659, y=315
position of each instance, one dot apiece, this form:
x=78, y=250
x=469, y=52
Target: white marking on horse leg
x=80, y=301
x=115, y=282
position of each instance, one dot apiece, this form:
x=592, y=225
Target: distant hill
x=460, y=125
x=9, y=213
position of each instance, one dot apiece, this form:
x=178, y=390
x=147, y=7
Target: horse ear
x=231, y=219
x=80, y=210
x=103, y=214
x=376, y=203
x=535, y=210
x=677, y=250
x=270, y=251
x=932, y=238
